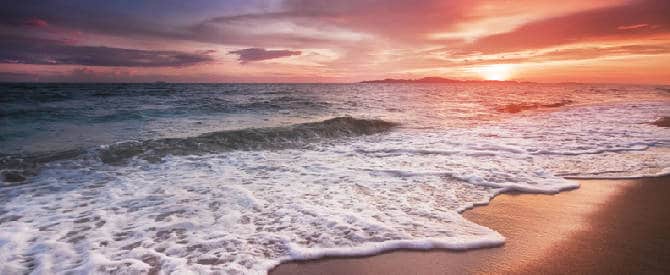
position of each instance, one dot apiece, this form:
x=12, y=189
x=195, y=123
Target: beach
x=334, y=137
x=606, y=226
x=239, y=178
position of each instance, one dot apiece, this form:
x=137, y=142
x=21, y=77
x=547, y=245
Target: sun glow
x=495, y=72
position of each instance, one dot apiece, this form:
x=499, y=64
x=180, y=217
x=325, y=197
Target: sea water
x=236, y=178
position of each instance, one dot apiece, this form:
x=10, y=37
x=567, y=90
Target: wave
x=16, y=168
x=245, y=139
x=662, y=122
x=525, y=106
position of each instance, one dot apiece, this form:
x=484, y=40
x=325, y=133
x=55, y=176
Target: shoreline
x=568, y=232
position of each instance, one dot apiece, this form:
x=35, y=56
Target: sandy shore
x=606, y=226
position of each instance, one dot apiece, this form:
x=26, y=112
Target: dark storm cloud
x=258, y=54
x=21, y=50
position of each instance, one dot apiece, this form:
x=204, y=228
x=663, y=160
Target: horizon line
x=342, y=83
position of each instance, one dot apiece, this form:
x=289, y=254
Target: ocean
x=236, y=178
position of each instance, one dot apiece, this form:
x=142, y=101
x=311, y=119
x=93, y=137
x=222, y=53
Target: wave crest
x=525, y=106
x=16, y=168
x=245, y=139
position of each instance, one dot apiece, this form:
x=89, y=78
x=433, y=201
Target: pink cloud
x=36, y=22
x=632, y=27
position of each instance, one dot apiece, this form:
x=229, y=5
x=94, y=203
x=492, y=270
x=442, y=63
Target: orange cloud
x=632, y=27
x=351, y=40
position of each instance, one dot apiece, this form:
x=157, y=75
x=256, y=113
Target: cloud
x=258, y=54
x=21, y=50
x=632, y=27
x=564, y=53
x=597, y=24
x=597, y=52
x=330, y=24
x=293, y=23
x=36, y=22
x=81, y=74
x=17, y=77
x=289, y=23
x=361, y=38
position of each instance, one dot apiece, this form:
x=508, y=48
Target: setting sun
x=497, y=72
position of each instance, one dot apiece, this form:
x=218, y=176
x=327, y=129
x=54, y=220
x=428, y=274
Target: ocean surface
x=236, y=178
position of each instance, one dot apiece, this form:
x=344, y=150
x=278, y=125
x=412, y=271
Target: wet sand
x=605, y=226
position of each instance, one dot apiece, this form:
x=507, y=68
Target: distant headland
x=434, y=79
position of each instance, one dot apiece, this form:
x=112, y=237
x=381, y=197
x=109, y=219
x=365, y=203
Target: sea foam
x=244, y=210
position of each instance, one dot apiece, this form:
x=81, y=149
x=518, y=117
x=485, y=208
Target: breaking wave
x=165, y=196
x=526, y=106
x=245, y=139
x=16, y=168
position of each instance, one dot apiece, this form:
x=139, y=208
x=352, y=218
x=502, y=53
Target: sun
x=495, y=72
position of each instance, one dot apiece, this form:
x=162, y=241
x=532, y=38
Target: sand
x=605, y=226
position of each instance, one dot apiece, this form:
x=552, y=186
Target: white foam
x=247, y=211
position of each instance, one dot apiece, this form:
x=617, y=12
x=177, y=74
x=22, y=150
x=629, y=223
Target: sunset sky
x=611, y=41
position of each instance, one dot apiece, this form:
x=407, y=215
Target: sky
x=613, y=41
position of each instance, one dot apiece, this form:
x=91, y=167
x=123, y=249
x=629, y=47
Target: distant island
x=434, y=79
